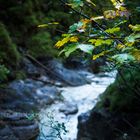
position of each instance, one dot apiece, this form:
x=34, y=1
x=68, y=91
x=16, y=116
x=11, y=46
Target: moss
x=122, y=95
x=8, y=53
x=41, y=44
x=20, y=75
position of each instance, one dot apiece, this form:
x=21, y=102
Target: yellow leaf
x=92, y=41
x=53, y=23
x=97, y=18
x=136, y=54
x=135, y=27
x=42, y=25
x=89, y=1
x=99, y=55
x=120, y=46
x=110, y=14
x=45, y=25
x=73, y=39
x=62, y=42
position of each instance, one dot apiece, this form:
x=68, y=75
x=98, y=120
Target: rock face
x=103, y=125
x=93, y=126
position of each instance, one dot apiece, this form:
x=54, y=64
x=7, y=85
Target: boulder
x=27, y=95
x=69, y=108
x=68, y=76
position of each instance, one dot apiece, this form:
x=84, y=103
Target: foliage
x=8, y=50
x=111, y=33
x=3, y=73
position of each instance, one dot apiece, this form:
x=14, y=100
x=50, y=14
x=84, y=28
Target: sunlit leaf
x=76, y=3
x=99, y=42
x=42, y=25
x=69, y=49
x=113, y=30
x=62, y=42
x=132, y=38
x=89, y=1
x=46, y=25
x=73, y=39
x=99, y=55
x=86, y=48
x=110, y=14
x=136, y=54
x=135, y=27
x=97, y=18
x=75, y=26
x=120, y=46
x=123, y=58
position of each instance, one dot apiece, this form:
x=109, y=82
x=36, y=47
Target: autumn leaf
x=99, y=55
x=109, y=14
x=73, y=39
x=62, y=42
x=120, y=46
x=136, y=54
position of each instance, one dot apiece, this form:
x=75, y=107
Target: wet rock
x=95, y=65
x=16, y=126
x=69, y=108
x=100, y=124
x=93, y=126
x=27, y=95
x=29, y=68
x=7, y=134
x=47, y=94
x=65, y=75
x=76, y=63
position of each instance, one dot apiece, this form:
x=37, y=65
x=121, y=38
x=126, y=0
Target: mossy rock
x=123, y=94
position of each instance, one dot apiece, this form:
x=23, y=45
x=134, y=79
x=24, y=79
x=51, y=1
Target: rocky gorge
x=22, y=100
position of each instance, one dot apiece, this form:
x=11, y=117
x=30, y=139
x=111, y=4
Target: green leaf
x=123, y=58
x=99, y=42
x=113, y=30
x=76, y=3
x=69, y=49
x=75, y=26
x=86, y=48
x=135, y=27
x=132, y=37
x=122, y=22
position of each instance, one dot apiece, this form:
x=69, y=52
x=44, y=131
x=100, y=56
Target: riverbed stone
x=69, y=108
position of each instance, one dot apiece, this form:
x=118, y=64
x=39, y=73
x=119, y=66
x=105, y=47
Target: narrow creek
x=81, y=99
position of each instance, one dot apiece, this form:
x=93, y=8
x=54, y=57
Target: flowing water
x=53, y=122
